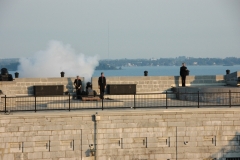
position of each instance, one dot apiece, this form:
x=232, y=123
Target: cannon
x=4, y=76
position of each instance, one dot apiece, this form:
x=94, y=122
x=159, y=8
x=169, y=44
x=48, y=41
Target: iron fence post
x=102, y=103
x=5, y=103
x=198, y=99
x=69, y=102
x=35, y=103
x=230, y=104
x=134, y=100
x=166, y=101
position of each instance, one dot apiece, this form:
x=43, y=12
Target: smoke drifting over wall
x=55, y=59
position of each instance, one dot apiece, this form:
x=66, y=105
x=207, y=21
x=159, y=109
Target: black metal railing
x=148, y=100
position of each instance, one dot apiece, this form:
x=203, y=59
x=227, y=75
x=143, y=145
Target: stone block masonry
x=232, y=79
x=24, y=86
x=146, y=84
x=186, y=134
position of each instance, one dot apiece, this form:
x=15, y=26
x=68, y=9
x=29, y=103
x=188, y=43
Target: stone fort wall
x=160, y=84
x=24, y=86
x=145, y=84
x=191, y=134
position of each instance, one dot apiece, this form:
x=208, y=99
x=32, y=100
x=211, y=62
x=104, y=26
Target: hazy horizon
x=142, y=58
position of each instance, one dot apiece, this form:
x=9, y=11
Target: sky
x=116, y=29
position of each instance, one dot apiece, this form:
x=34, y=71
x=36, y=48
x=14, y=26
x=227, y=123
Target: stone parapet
x=161, y=83
x=24, y=86
x=145, y=84
x=223, y=95
x=132, y=134
x=232, y=79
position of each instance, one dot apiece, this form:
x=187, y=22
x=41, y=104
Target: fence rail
x=148, y=100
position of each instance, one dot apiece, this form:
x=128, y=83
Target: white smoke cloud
x=55, y=59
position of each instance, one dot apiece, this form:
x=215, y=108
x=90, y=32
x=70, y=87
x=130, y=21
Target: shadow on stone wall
x=30, y=90
x=87, y=153
x=233, y=79
x=232, y=150
x=207, y=80
x=69, y=86
x=176, y=81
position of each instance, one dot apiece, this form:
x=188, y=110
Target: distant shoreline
x=121, y=68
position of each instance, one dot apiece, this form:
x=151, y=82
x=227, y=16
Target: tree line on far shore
x=172, y=61
x=112, y=64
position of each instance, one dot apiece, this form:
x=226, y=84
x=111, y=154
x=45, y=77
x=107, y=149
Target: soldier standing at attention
x=183, y=74
x=102, y=85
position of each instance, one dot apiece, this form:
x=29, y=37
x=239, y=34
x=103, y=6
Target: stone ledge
x=7, y=82
x=119, y=112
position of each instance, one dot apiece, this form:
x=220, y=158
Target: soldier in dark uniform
x=78, y=86
x=183, y=74
x=102, y=85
